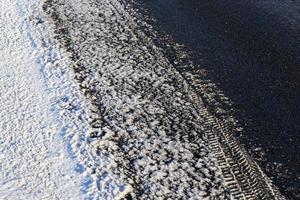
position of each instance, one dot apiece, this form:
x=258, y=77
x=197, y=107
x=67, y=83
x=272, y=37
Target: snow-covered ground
x=34, y=162
x=150, y=126
x=91, y=109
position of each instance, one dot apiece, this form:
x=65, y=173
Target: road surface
x=251, y=50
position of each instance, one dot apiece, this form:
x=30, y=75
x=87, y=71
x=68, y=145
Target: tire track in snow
x=146, y=117
x=242, y=175
x=212, y=34
x=132, y=125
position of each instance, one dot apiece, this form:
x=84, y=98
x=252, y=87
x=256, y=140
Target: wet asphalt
x=251, y=50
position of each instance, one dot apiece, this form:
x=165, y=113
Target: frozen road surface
x=92, y=108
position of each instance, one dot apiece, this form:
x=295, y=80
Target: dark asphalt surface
x=251, y=50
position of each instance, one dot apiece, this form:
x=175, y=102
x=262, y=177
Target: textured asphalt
x=250, y=49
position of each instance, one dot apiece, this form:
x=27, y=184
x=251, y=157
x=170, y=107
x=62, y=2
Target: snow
x=145, y=136
x=91, y=109
x=34, y=162
x=148, y=134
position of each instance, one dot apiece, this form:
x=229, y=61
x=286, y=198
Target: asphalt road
x=251, y=50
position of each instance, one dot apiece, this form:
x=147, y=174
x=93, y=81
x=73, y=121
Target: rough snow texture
x=34, y=163
x=143, y=114
x=151, y=132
